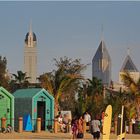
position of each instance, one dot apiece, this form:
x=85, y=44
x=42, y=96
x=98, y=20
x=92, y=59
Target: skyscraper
x=30, y=56
x=129, y=66
x=101, y=64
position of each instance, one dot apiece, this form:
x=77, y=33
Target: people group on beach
x=94, y=123
x=63, y=122
x=77, y=128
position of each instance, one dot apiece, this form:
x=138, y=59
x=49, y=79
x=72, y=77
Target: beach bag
x=80, y=135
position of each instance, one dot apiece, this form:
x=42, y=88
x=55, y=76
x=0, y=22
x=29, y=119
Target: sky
x=72, y=29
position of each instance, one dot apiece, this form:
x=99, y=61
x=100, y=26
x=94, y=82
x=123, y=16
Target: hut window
x=1, y=96
x=42, y=98
x=48, y=111
x=8, y=110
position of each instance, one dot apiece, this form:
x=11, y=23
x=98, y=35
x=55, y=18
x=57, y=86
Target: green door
x=5, y=108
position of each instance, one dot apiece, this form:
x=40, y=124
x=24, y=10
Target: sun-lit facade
x=101, y=64
x=30, y=56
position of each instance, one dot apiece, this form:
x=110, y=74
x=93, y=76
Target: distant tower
x=101, y=64
x=30, y=56
x=129, y=66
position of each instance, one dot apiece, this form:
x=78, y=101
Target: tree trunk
x=130, y=127
x=138, y=108
x=56, y=108
x=115, y=123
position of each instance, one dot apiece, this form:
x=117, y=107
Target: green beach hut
x=37, y=103
x=6, y=106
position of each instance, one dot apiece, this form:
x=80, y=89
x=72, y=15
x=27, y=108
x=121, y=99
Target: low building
x=6, y=106
x=37, y=103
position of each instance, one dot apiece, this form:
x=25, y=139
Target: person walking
x=80, y=134
x=87, y=118
x=133, y=124
x=74, y=128
x=95, y=128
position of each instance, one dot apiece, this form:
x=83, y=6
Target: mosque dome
x=26, y=37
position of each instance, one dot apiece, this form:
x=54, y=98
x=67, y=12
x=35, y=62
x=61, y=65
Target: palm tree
x=20, y=79
x=116, y=99
x=95, y=86
x=90, y=96
x=95, y=91
x=133, y=88
x=65, y=79
x=83, y=99
x=56, y=83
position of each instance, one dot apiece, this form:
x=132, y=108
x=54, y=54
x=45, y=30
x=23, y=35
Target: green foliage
x=90, y=97
x=133, y=94
x=115, y=99
x=63, y=81
x=20, y=77
x=4, y=78
x=20, y=81
x=70, y=66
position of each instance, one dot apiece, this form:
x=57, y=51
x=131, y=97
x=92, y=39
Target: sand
x=62, y=136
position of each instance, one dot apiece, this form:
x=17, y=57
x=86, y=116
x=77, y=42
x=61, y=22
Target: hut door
x=41, y=113
x=5, y=109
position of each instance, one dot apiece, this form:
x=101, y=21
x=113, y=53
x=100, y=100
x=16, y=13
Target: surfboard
x=121, y=130
x=107, y=122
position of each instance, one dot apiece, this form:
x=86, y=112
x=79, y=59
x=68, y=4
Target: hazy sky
x=71, y=29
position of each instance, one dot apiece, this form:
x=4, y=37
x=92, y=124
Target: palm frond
x=129, y=82
x=67, y=81
x=46, y=82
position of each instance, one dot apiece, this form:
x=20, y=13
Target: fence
x=38, y=125
x=54, y=126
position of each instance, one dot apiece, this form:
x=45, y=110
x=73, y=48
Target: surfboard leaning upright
x=121, y=128
x=107, y=122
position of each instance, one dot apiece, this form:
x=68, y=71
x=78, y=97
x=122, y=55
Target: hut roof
x=7, y=93
x=26, y=93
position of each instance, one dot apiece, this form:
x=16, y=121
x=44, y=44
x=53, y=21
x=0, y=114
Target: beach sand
x=62, y=136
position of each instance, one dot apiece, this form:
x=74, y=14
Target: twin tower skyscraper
x=101, y=66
